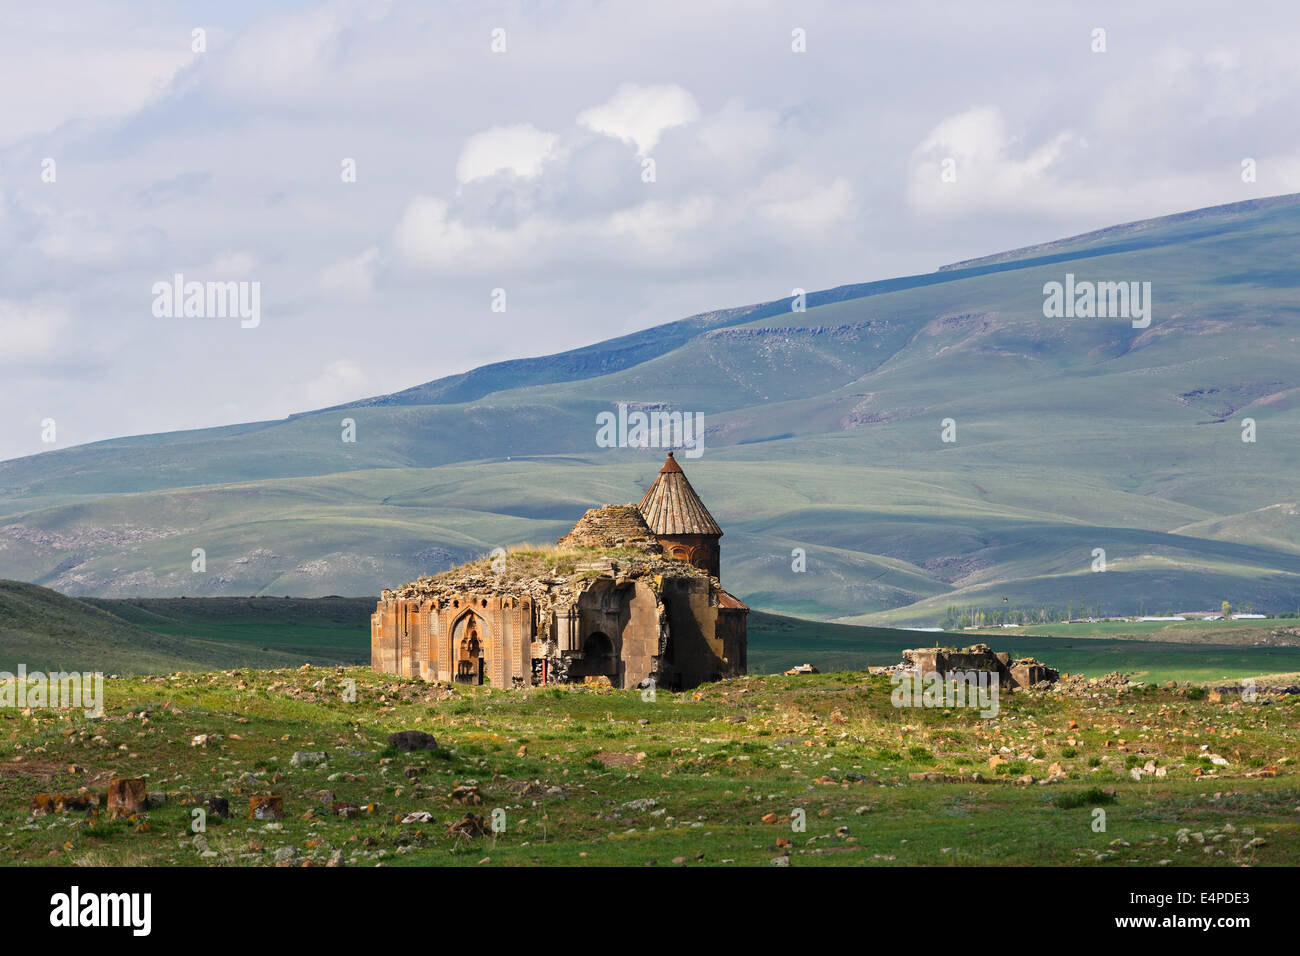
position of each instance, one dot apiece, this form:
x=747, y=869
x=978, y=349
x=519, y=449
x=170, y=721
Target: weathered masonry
x=630, y=595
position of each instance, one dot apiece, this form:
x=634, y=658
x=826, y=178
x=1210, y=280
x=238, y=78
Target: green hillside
x=822, y=434
x=46, y=631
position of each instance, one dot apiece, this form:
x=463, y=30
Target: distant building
x=630, y=595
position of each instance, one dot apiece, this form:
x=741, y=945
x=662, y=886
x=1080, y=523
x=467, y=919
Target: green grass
x=830, y=746
x=321, y=630
x=48, y=631
x=776, y=643
x=1184, y=632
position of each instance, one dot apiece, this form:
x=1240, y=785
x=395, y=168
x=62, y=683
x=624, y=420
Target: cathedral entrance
x=469, y=655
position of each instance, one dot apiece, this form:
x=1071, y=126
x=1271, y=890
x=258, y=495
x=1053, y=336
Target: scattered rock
x=266, y=808
x=126, y=796
x=467, y=794
x=412, y=740
x=470, y=825
x=802, y=669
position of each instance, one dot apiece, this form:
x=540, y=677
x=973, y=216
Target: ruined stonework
x=679, y=520
x=1023, y=673
x=613, y=600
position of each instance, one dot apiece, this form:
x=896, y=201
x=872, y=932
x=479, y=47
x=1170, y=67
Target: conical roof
x=671, y=506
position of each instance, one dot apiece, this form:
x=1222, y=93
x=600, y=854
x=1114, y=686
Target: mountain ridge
x=823, y=432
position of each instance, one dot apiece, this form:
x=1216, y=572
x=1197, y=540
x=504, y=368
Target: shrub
x=1092, y=797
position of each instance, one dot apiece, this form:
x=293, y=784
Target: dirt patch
x=46, y=770
x=616, y=759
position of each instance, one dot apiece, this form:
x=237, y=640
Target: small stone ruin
x=1013, y=674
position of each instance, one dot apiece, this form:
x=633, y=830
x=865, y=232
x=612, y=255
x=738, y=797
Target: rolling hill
x=823, y=433
x=47, y=631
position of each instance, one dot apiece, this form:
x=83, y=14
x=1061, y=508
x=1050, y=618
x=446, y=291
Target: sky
x=416, y=189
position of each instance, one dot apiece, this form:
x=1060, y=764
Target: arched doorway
x=469, y=654
x=598, y=657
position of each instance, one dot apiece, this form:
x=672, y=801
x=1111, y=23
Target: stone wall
x=1021, y=673
x=698, y=550
x=417, y=638
x=694, y=647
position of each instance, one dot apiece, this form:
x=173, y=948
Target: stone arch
x=470, y=649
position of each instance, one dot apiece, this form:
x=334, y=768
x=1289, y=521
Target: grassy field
x=46, y=630
x=775, y=643
x=720, y=776
x=332, y=630
x=1244, y=632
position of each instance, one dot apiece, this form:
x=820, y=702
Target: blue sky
x=525, y=170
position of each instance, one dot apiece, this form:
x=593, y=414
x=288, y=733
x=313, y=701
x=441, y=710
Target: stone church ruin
x=630, y=595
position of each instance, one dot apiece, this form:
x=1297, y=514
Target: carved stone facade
x=634, y=606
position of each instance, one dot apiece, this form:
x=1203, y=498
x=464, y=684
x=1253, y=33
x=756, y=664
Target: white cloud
x=354, y=277
x=640, y=114
x=795, y=201
x=554, y=214
x=774, y=170
x=64, y=68
x=428, y=236
x=230, y=265
x=340, y=381
x=518, y=149
x=287, y=56
x=992, y=168
x=30, y=332
x=77, y=237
